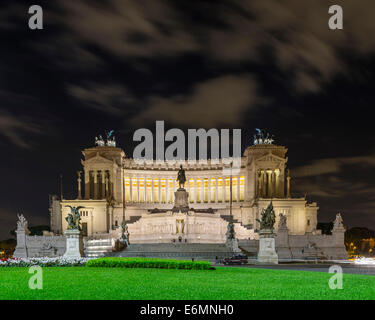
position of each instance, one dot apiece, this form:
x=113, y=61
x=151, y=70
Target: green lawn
x=222, y=283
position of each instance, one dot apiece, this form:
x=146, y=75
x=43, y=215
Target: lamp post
x=123, y=188
x=231, y=235
x=230, y=195
x=123, y=224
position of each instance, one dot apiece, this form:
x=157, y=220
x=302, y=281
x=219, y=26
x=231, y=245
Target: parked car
x=237, y=259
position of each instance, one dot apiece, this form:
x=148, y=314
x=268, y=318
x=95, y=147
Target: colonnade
x=98, y=184
x=201, y=190
x=270, y=183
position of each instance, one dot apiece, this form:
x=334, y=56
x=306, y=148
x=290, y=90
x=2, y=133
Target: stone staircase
x=185, y=251
x=242, y=231
x=249, y=247
x=226, y=217
x=133, y=219
x=98, y=247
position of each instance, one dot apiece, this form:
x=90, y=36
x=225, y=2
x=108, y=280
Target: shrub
x=148, y=263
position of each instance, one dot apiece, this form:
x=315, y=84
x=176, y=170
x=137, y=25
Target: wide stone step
x=190, y=251
x=133, y=219
x=162, y=247
x=227, y=218
x=95, y=248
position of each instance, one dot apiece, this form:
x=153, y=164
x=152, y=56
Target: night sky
x=123, y=64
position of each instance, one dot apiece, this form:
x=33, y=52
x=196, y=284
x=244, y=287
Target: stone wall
x=45, y=246
x=37, y=246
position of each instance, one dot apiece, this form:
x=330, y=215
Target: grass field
x=222, y=283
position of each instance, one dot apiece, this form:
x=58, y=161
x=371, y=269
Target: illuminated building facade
x=110, y=177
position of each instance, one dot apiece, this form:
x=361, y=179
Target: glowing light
x=364, y=260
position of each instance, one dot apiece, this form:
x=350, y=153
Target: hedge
x=148, y=263
x=43, y=262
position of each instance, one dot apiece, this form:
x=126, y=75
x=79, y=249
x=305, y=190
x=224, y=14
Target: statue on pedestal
x=267, y=252
x=74, y=244
x=22, y=222
x=282, y=222
x=337, y=224
x=181, y=178
x=181, y=197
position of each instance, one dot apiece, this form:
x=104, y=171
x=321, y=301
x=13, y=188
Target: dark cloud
x=129, y=28
x=332, y=165
x=221, y=101
x=110, y=98
x=18, y=129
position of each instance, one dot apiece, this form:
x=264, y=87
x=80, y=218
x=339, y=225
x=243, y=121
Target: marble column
x=223, y=190
x=272, y=179
x=79, y=180
x=106, y=185
x=131, y=189
x=187, y=187
x=216, y=190
x=269, y=184
x=138, y=193
x=202, y=190
x=96, y=184
x=159, y=190
x=87, y=184
x=110, y=184
x=288, y=186
x=174, y=188
x=195, y=190
x=209, y=189
x=145, y=189
x=281, y=184
x=103, y=184
x=167, y=190
x=264, y=185
x=238, y=188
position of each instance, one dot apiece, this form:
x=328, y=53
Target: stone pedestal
x=22, y=231
x=74, y=244
x=267, y=253
x=282, y=242
x=181, y=201
x=21, y=249
x=231, y=242
x=232, y=245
